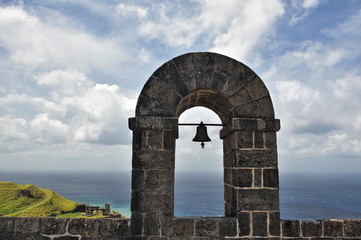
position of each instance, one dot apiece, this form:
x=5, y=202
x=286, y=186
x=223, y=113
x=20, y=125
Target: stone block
x=107, y=227
x=183, y=227
x=206, y=228
x=274, y=224
x=236, y=79
x=227, y=227
x=258, y=139
x=53, y=226
x=244, y=139
x=258, y=199
x=229, y=211
x=270, y=140
x=7, y=225
x=352, y=227
x=151, y=200
x=230, y=196
x=138, y=179
x=311, y=228
x=74, y=238
x=230, y=82
x=244, y=223
x=76, y=226
x=169, y=140
x=228, y=176
x=229, y=159
x=151, y=223
x=256, y=89
x=270, y=178
x=291, y=228
x=240, y=97
x=137, y=140
x=153, y=159
x=195, y=71
x=257, y=177
x=242, y=177
x=162, y=179
x=91, y=227
x=261, y=108
x=153, y=140
x=242, y=124
x=259, y=224
x=333, y=228
x=152, y=179
x=132, y=123
x=150, y=122
x=142, y=123
x=27, y=225
x=256, y=158
x=230, y=142
x=169, y=74
x=10, y=237
x=268, y=124
x=114, y=227
x=166, y=221
x=137, y=223
x=170, y=123
x=157, y=99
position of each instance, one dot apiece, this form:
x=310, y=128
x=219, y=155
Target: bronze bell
x=201, y=134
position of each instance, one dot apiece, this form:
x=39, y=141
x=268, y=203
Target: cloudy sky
x=71, y=72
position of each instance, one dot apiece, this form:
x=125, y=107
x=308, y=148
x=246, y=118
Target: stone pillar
x=251, y=183
x=107, y=209
x=153, y=164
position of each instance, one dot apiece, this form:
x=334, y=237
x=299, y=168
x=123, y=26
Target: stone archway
x=241, y=100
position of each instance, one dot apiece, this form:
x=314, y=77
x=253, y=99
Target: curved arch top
x=220, y=83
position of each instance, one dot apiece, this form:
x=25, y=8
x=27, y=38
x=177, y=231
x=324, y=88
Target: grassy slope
x=14, y=197
x=31, y=201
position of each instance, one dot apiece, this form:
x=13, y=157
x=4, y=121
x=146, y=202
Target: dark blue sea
x=302, y=196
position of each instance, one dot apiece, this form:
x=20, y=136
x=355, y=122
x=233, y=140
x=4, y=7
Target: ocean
x=302, y=195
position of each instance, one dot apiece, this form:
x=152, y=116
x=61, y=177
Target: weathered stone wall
x=14, y=228
x=321, y=229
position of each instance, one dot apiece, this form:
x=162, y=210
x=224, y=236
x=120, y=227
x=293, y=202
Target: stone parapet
x=321, y=229
x=63, y=228
x=248, y=225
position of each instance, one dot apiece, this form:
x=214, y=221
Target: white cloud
x=237, y=29
x=129, y=10
x=319, y=121
x=66, y=82
x=34, y=44
x=347, y=88
x=26, y=106
x=302, y=10
x=14, y=132
x=48, y=131
x=310, y=3
x=317, y=55
x=298, y=94
x=249, y=28
x=76, y=110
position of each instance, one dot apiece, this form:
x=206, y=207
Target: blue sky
x=71, y=72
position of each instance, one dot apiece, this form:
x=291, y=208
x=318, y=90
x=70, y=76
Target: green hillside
x=31, y=201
